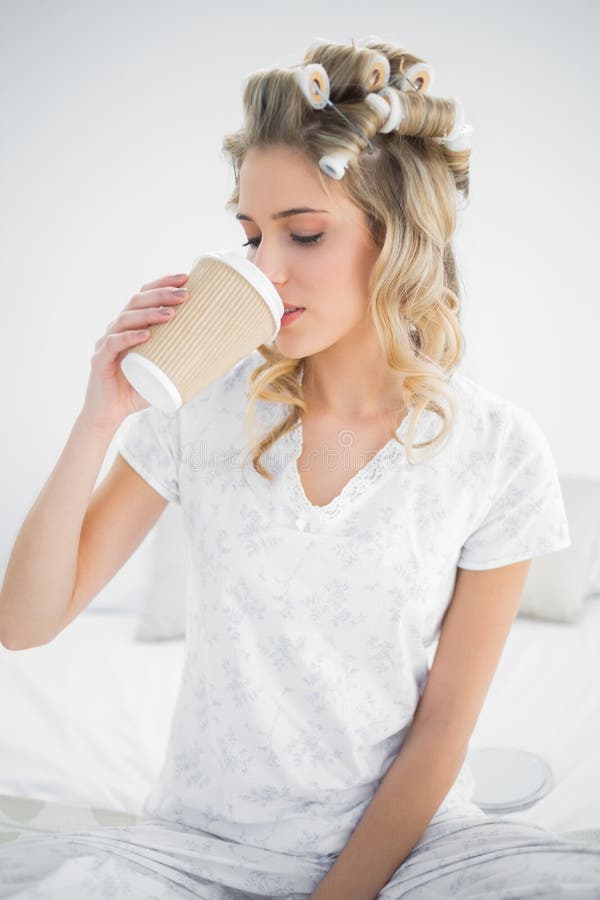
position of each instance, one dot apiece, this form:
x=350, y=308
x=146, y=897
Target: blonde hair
x=408, y=188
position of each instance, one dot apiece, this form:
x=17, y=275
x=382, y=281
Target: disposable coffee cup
x=231, y=309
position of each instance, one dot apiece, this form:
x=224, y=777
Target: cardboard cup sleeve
x=231, y=309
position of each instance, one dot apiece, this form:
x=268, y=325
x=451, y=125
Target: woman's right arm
x=41, y=572
x=74, y=539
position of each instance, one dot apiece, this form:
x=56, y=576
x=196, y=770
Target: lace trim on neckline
x=359, y=483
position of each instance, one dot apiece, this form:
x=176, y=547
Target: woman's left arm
x=474, y=630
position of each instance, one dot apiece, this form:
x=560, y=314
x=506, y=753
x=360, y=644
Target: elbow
x=10, y=644
x=12, y=638
x=14, y=642
x=6, y=640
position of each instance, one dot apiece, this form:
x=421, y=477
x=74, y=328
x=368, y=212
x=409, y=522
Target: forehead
x=275, y=178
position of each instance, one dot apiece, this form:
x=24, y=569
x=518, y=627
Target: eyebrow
x=285, y=213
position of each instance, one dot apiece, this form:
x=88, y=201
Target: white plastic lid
x=508, y=779
x=151, y=382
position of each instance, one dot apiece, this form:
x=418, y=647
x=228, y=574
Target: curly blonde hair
x=408, y=188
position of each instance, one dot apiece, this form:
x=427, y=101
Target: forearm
x=399, y=812
x=40, y=575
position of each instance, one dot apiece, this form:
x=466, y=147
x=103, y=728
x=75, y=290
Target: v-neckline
x=367, y=474
x=391, y=457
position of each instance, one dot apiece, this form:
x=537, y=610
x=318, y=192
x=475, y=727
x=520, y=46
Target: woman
x=312, y=752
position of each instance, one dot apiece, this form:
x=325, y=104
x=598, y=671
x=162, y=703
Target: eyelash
x=311, y=239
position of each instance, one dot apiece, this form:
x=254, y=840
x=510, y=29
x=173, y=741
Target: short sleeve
x=149, y=441
x=526, y=516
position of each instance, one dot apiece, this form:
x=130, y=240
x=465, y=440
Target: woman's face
x=329, y=276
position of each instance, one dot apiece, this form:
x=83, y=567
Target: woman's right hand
x=110, y=397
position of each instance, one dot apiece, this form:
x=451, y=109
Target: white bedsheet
x=545, y=698
x=85, y=719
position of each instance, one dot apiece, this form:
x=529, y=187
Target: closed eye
x=310, y=239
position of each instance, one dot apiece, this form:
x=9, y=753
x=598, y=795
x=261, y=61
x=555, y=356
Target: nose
x=270, y=261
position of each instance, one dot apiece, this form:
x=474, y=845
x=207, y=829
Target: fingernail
x=180, y=292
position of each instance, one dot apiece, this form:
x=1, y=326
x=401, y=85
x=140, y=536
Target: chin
x=297, y=349
x=289, y=345
x=290, y=354
x=298, y=346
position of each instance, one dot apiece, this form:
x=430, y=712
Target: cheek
x=329, y=276
x=337, y=280
x=321, y=267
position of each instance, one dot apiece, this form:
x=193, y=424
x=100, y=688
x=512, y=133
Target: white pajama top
x=307, y=627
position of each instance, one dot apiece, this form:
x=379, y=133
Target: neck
x=343, y=384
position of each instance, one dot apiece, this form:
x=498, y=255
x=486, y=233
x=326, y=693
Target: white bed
x=86, y=720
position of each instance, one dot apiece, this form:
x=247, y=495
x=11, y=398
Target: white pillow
x=559, y=582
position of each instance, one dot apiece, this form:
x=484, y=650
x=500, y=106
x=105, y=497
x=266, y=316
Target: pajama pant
x=471, y=858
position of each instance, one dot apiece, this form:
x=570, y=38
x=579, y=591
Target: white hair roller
x=394, y=108
x=380, y=73
x=334, y=164
x=376, y=101
x=417, y=71
x=459, y=121
x=463, y=141
x=314, y=84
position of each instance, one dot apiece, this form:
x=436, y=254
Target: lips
x=292, y=308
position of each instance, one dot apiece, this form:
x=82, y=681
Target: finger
x=165, y=281
x=112, y=344
x=163, y=296
x=141, y=317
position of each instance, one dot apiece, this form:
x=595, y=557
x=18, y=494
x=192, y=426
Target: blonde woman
x=349, y=497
